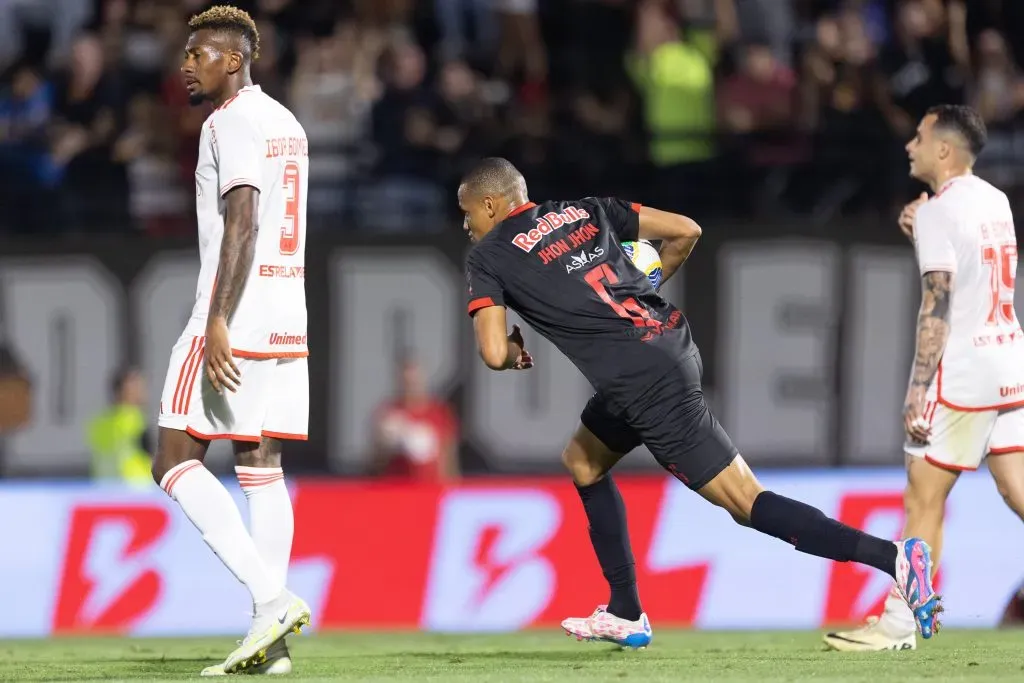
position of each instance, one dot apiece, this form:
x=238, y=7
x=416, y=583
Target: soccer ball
x=644, y=256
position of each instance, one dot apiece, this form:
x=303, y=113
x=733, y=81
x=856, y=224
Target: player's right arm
x=237, y=147
x=678, y=235
x=936, y=255
x=498, y=349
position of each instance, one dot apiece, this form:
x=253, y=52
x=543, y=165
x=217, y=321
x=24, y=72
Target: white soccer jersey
x=967, y=229
x=254, y=140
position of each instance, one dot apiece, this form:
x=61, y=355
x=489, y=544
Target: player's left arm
x=498, y=349
x=678, y=235
x=238, y=150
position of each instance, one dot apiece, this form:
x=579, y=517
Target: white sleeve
x=933, y=236
x=238, y=149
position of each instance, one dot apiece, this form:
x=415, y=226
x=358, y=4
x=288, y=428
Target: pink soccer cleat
x=609, y=628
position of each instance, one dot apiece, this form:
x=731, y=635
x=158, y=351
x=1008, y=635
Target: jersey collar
x=520, y=209
x=949, y=183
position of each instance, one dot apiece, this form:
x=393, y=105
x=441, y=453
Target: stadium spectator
x=27, y=175
x=998, y=92
x=758, y=107
x=118, y=439
x=404, y=195
x=15, y=390
x=89, y=111
x=333, y=88
x=415, y=434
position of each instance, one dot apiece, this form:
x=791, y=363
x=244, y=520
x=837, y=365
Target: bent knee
x=919, y=501
x=1013, y=495
x=734, y=490
x=583, y=469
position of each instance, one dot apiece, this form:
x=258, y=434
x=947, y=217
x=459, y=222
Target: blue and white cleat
x=606, y=627
x=914, y=579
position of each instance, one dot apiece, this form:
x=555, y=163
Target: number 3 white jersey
x=254, y=140
x=967, y=229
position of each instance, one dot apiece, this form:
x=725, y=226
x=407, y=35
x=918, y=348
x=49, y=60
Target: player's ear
x=235, y=61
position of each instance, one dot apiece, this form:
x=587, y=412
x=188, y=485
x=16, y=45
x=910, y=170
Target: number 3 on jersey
x=290, y=231
x=1002, y=260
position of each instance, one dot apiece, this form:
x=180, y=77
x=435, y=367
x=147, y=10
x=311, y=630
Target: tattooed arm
x=237, y=249
x=932, y=333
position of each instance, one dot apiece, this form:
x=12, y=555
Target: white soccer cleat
x=612, y=629
x=872, y=637
x=271, y=623
x=279, y=663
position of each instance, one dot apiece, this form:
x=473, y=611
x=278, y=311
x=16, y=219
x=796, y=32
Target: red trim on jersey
x=285, y=436
x=949, y=468
x=636, y=206
x=213, y=437
x=949, y=183
x=483, y=302
x=265, y=355
x=521, y=208
x=231, y=99
x=1006, y=450
x=965, y=409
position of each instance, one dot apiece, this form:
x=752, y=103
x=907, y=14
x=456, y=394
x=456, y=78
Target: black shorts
x=673, y=420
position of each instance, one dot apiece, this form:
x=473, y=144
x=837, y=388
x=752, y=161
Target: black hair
x=964, y=121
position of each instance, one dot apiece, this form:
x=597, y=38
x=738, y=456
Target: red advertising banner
x=493, y=555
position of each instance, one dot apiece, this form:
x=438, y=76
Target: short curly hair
x=228, y=18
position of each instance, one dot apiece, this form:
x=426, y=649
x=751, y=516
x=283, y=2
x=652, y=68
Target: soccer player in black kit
x=560, y=266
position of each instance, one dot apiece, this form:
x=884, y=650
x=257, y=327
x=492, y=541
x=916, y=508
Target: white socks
x=271, y=520
x=897, y=619
x=209, y=506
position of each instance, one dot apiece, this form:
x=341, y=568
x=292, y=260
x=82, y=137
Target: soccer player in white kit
x=965, y=401
x=238, y=371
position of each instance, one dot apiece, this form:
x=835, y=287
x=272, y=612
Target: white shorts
x=961, y=439
x=272, y=399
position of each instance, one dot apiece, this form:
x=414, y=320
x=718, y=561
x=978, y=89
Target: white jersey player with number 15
x=238, y=372
x=965, y=401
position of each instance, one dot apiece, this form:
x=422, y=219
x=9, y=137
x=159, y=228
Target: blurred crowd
x=756, y=107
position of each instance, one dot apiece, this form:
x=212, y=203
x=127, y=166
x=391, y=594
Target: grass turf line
x=530, y=657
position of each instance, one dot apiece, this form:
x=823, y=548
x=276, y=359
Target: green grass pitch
x=532, y=656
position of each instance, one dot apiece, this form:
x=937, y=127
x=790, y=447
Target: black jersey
x=560, y=266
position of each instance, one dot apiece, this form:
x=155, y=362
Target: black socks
x=812, y=532
x=606, y=515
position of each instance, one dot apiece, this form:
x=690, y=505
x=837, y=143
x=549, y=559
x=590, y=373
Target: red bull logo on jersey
x=547, y=224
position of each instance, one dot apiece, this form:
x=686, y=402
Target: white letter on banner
x=486, y=573
x=777, y=349
x=883, y=295
x=64, y=323
x=383, y=300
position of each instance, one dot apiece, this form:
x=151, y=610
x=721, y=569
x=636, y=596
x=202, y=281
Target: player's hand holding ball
x=525, y=361
x=220, y=366
x=907, y=216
